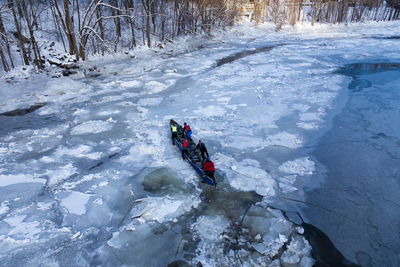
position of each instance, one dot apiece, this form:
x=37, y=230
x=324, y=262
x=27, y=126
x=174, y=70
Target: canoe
x=194, y=157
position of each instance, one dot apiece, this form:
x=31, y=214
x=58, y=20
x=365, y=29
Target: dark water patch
x=113, y=155
x=357, y=69
x=23, y=111
x=358, y=72
x=179, y=263
x=96, y=165
x=159, y=228
x=394, y=37
x=231, y=203
x=359, y=84
x=100, y=163
x=163, y=181
x=226, y=201
x=323, y=250
x=243, y=54
x=29, y=121
x=378, y=135
x=223, y=200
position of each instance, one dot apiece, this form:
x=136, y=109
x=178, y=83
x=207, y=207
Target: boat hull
x=194, y=157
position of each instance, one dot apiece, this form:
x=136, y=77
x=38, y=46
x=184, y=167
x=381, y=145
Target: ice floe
x=301, y=166
x=91, y=127
x=246, y=175
x=75, y=202
x=6, y=180
x=59, y=174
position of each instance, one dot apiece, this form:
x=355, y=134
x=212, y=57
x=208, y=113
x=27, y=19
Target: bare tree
x=99, y=17
x=30, y=12
x=146, y=6
x=277, y=11
x=21, y=39
x=4, y=42
x=129, y=6
x=67, y=26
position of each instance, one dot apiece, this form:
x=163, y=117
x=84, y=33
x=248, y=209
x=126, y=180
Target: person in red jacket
x=185, y=148
x=209, y=169
x=187, y=130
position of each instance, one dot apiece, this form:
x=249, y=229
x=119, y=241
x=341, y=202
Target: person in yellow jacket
x=174, y=134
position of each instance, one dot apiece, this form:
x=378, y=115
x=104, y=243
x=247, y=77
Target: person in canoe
x=185, y=148
x=187, y=131
x=174, y=133
x=203, y=150
x=209, y=169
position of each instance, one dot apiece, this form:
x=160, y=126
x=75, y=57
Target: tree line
x=324, y=11
x=88, y=27
x=99, y=26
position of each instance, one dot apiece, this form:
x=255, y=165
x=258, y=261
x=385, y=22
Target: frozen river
x=88, y=175
x=358, y=205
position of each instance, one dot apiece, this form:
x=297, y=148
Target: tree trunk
x=129, y=8
x=6, y=42
x=101, y=27
x=146, y=6
x=117, y=20
x=4, y=61
x=73, y=50
x=153, y=12
x=19, y=34
x=57, y=24
x=30, y=23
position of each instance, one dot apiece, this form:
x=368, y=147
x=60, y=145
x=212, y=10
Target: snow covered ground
x=91, y=178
